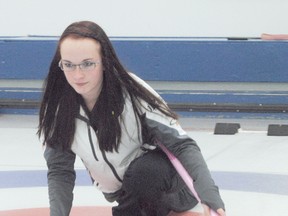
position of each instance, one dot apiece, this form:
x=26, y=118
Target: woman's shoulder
x=142, y=82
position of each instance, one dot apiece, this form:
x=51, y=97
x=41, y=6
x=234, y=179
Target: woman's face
x=87, y=77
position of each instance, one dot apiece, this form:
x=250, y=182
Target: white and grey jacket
x=107, y=169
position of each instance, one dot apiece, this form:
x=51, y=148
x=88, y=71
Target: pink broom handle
x=183, y=173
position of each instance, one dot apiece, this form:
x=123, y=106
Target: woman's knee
x=152, y=170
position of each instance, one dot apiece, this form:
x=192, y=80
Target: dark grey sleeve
x=189, y=154
x=61, y=180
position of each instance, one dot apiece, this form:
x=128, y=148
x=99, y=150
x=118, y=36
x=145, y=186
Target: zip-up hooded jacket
x=107, y=168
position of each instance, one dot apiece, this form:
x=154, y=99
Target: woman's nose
x=78, y=73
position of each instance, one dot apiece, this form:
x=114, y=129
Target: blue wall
x=170, y=59
x=207, y=61
x=165, y=59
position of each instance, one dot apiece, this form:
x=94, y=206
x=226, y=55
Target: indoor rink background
x=250, y=167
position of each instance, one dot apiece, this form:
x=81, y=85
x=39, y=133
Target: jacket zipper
x=89, y=135
x=91, y=143
x=93, y=149
x=111, y=167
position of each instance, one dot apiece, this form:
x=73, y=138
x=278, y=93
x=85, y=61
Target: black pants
x=152, y=187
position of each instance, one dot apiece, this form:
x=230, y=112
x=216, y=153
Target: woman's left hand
x=220, y=211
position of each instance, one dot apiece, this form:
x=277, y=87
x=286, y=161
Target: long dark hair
x=60, y=104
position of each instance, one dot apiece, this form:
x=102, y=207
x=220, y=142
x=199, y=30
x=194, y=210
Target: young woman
x=93, y=108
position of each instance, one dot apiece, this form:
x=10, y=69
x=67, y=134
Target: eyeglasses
x=84, y=66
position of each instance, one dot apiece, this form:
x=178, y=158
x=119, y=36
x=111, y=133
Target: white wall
x=184, y=18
